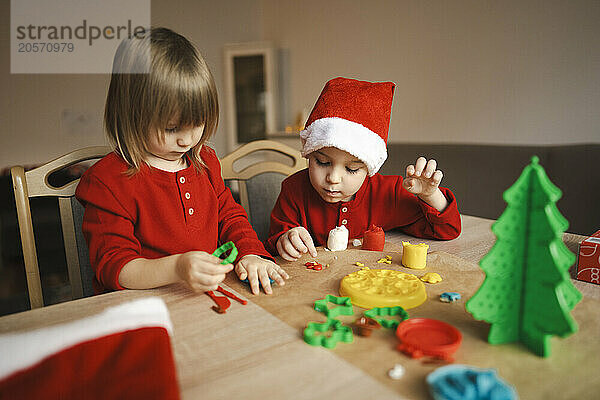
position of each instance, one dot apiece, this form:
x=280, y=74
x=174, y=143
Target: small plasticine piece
x=463, y=382
x=378, y=312
x=385, y=260
x=365, y=326
x=233, y=296
x=222, y=302
x=339, y=333
x=359, y=264
x=343, y=303
x=315, y=266
x=414, y=255
x=449, y=297
x=431, y=277
x=223, y=249
x=397, y=372
x=374, y=239
x=356, y=242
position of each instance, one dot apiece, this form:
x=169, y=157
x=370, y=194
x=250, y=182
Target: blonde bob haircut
x=158, y=76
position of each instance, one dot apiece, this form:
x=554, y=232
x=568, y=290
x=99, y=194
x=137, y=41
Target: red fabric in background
x=134, y=364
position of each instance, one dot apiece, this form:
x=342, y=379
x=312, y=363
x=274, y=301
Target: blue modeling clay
x=463, y=382
x=247, y=282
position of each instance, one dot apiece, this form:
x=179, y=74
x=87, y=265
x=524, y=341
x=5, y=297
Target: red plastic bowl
x=428, y=337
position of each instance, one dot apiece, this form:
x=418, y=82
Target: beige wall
x=466, y=71
x=483, y=71
x=31, y=105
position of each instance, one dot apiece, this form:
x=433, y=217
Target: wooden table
x=257, y=352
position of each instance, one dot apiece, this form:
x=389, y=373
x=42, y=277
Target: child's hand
x=256, y=268
x=293, y=243
x=201, y=271
x=423, y=180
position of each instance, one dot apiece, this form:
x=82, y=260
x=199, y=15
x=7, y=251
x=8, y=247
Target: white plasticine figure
x=356, y=242
x=397, y=372
x=338, y=238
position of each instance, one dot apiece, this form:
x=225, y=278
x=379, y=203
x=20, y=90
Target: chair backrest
x=35, y=183
x=260, y=180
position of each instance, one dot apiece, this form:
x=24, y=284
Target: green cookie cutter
x=345, y=306
x=223, y=249
x=339, y=333
x=378, y=312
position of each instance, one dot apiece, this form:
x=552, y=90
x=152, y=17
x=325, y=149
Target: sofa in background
x=479, y=174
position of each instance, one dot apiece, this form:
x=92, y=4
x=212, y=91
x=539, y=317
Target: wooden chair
x=35, y=183
x=260, y=182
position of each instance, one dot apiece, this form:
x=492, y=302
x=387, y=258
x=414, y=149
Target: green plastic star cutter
x=314, y=334
x=223, y=249
x=378, y=312
x=343, y=303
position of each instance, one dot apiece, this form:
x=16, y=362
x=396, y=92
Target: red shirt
x=156, y=213
x=381, y=200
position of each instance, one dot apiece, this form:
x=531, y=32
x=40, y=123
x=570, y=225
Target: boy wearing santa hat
x=345, y=142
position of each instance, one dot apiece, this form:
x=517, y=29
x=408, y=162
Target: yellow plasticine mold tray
x=370, y=288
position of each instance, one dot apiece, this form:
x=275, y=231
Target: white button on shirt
x=182, y=179
x=344, y=209
x=188, y=195
x=344, y=221
x=191, y=211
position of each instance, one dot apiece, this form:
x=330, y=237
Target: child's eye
x=319, y=162
x=171, y=129
x=351, y=170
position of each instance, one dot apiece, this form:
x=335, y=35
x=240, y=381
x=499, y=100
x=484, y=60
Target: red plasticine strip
x=223, y=302
x=233, y=296
x=374, y=239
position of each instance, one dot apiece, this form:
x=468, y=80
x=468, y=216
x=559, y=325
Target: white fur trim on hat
x=349, y=136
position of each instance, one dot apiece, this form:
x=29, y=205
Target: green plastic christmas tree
x=527, y=294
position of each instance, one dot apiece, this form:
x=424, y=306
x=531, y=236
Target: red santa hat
x=353, y=116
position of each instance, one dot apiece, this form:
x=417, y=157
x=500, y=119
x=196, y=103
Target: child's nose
x=334, y=176
x=185, y=139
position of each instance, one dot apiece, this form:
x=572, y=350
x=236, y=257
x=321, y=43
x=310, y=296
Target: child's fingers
x=278, y=274
x=241, y=271
x=410, y=170
x=430, y=168
x=264, y=281
x=308, y=242
x=290, y=249
x=419, y=165
x=281, y=249
x=253, y=280
x=297, y=241
x=437, y=178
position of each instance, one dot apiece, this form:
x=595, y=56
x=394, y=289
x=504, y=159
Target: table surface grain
x=256, y=351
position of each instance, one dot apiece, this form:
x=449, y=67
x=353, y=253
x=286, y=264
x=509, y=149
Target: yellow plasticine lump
x=370, y=288
x=414, y=255
x=431, y=277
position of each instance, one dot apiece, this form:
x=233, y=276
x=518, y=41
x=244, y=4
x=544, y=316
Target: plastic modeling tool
x=344, y=306
x=313, y=334
x=379, y=313
x=428, y=337
x=370, y=288
x=463, y=382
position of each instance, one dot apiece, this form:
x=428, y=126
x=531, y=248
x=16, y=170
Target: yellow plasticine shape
x=431, y=277
x=414, y=255
x=370, y=288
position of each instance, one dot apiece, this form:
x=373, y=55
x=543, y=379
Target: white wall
x=510, y=71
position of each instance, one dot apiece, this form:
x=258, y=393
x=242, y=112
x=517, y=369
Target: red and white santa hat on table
x=123, y=352
x=353, y=116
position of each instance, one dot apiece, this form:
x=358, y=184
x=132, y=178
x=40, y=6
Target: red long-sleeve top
x=381, y=200
x=156, y=213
